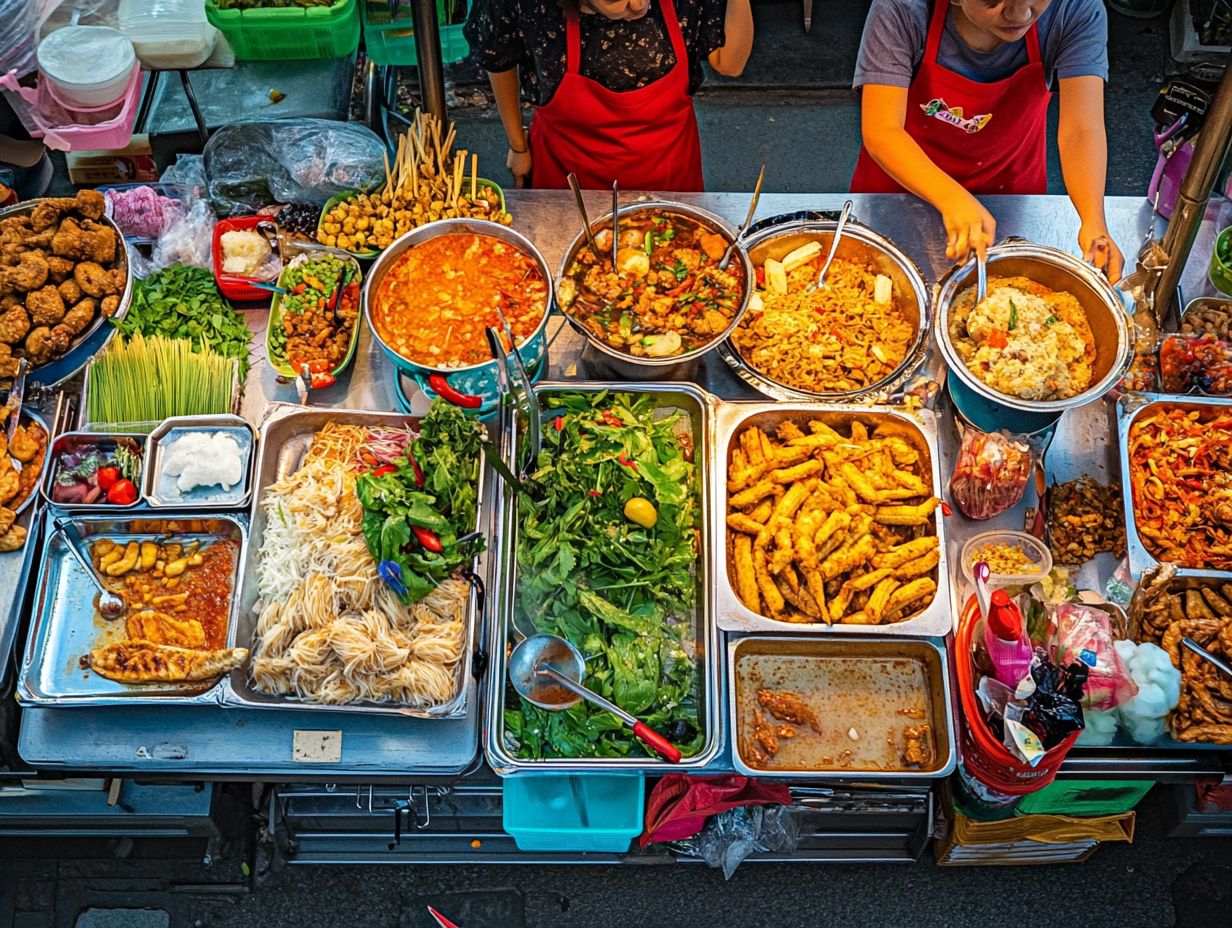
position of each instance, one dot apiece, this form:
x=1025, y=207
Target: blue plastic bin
x=542, y=812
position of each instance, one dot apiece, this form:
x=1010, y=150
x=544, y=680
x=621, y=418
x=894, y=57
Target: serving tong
x=1217, y=663
x=838, y=234
x=581, y=208
x=744, y=226
x=12, y=407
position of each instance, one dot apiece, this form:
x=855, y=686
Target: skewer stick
x=388, y=179
x=474, y=171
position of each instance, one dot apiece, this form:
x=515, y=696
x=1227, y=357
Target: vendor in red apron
x=612, y=82
x=954, y=104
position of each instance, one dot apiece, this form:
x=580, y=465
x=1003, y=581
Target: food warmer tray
x=285, y=437
x=699, y=406
x=66, y=624
x=1129, y=409
x=930, y=651
x=920, y=427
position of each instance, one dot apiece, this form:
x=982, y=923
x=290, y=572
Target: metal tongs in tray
x=515, y=382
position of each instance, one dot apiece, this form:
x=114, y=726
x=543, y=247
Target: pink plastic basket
x=73, y=128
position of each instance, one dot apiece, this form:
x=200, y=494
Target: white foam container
x=168, y=34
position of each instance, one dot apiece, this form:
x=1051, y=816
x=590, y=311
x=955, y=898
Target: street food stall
x=344, y=552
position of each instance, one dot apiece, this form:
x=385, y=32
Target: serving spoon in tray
x=110, y=605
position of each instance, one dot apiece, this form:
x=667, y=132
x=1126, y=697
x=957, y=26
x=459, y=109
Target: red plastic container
x=984, y=756
x=234, y=286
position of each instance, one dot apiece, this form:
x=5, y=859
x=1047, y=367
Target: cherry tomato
x=106, y=477
x=122, y=493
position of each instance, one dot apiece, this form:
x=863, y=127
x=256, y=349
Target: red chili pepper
x=945, y=509
x=558, y=423
x=320, y=366
x=321, y=381
x=441, y=387
x=676, y=291
x=760, y=276
x=595, y=493
x=299, y=288
x=428, y=539
x=627, y=463
x=610, y=418
x=122, y=493
x=107, y=477
x=419, y=475
x=383, y=470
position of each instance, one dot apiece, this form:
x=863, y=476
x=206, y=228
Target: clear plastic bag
x=254, y=164
x=731, y=836
x=990, y=475
x=1084, y=635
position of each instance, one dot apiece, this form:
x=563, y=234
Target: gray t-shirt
x=1073, y=42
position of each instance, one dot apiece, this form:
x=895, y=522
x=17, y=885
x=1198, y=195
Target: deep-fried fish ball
x=14, y=325
x=61, y=269
x=29, y=274
x=69, y=240
x=79, y=317
x=91, y=204
x=71, y=291
x=93, y=280
x=45, y=306
x=109, y=305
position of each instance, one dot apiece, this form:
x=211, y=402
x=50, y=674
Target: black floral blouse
x=620, y=55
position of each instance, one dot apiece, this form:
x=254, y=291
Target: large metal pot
x=658, y=368
x=779, y=235
x=1057, y=270
x=100, y=331
x=481, y=380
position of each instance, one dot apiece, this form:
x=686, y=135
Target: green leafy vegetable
x=622, y=593
x=184, y=302
x=447, y=454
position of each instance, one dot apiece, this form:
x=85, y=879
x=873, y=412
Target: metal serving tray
x=68, y=441
x=941, y=716
x=160, y=490
x=920, y=428
x=67, y=626
x=285, y=436
x=1130, y=408
x=698, y=405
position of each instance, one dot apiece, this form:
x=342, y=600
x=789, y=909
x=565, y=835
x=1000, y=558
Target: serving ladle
x=110, y=605
x=838, y=234
x=547, y=670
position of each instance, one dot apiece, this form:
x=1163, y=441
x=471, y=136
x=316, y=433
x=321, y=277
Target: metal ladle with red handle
x=546, y=670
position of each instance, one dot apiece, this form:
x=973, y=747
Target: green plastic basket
x=1085, y=797
x=284, y=33
x=395, y=44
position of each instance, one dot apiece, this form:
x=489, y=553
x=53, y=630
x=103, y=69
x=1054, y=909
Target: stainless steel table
x=211, y=742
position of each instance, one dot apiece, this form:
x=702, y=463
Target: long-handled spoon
x=110, y=605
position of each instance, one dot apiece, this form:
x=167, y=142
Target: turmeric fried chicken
x=78, y=319
x=45, y=306
x=788, y=707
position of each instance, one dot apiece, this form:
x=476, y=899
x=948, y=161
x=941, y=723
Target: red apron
x=991, y=138
x=646, y=138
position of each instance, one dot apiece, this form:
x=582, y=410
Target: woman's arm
x=1084, y=164
x=506, y=90
x=730, y=59
x=883, y=114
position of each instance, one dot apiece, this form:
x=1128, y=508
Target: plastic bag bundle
x=990, y=475
x=731, y=836
x=253, y=164
x=1084, y=635
x=17, y=42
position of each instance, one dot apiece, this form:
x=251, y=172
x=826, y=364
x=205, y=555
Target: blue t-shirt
x=1073, y=43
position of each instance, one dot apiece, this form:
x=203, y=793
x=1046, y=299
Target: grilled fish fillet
x=160, y=628
x=147, y=662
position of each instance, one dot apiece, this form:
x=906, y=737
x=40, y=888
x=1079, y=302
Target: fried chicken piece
x=30, y=273
x=93, y=279
x=8, y=363
x=10, y=482
x=41, y=241
x=61, y=269
x=69, y=240
x=14, y=324
x=764, y=735
x=147, y=662
x=91, y=204
x=15, y=229
x=71, y=291
x=48, y=212
x=98, y=242
x=78, y=319
x=13, y=539
x=788, y=707
x=45, y=306
x=109, y=305
x=25, y=444
x=918, y=747
x=7, y=518
x=43, y=344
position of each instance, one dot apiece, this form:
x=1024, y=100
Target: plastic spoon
x=110, y=605
x=983, y=595
x=838, y=234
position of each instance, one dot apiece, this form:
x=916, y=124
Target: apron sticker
x=953, y=115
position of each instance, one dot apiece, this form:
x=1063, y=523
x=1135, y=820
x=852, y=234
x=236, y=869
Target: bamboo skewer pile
x=426, y=181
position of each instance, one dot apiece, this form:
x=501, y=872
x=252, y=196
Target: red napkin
x=679, y=805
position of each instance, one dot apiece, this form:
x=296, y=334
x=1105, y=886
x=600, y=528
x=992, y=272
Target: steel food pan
x=66, y=626
x=698, y=406
x=68, y=442
x=814, y=654
x=919, y=428
x=775, y=238
x=284, y=439
x=160, y=489
x=1130, y=408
